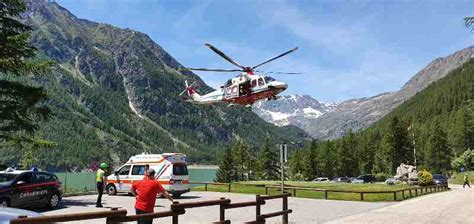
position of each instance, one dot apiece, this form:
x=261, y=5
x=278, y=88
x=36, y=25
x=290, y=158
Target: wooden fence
x=294, y=190
x=177, y=209
x=426, y=189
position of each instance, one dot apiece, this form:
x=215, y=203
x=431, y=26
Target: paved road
x=305, y=210
x=456, y=206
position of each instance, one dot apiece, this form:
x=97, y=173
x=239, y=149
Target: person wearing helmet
x=101, y=181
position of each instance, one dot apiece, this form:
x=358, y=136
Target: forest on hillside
x=437, y=122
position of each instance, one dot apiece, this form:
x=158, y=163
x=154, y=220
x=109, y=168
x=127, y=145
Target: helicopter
x=246, y=88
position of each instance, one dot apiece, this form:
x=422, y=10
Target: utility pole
x=283, y=160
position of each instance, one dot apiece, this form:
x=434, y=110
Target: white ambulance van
x=171, y=171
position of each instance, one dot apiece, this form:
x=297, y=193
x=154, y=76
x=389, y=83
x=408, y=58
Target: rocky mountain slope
x=291, y=110
x=331, y=121
x=359, y=113
x=114, y=93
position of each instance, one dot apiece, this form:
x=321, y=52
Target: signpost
x=283, y=159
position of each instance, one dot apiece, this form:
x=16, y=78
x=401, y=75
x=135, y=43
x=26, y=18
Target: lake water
x=80, y=182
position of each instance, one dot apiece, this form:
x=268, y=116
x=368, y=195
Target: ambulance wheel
x=4, y=202
x=54, y=200
x=111, y=189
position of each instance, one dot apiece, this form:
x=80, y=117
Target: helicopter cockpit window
x=269, y=79
x=228, y=83
x=261, y=82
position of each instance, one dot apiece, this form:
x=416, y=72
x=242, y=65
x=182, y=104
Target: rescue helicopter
x=245, y=89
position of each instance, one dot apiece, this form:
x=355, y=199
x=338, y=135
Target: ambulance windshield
x=180, y=169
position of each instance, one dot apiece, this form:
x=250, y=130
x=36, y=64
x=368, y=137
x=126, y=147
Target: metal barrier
x=118, y=216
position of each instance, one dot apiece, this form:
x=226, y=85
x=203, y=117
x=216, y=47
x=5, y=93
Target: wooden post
x=175, y=214
x=257, y=207
x=205, y=186
x=361, y=196
x=228, y=190
x=326, y=194
x=285, y=207
x=394, y=195
x=411, y=194
x=403, y=194
x=108, y=220
x=266, y=190
x=416, y=191
x=221, y=212
x=294, y=192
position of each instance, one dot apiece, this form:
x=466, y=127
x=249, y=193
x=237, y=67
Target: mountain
x=430, y=129
x=114, y=93
x=291, y=110
x=360, y=113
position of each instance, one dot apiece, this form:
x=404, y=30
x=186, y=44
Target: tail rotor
x=191, y=92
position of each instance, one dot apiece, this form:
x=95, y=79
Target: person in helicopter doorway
x=100, y=181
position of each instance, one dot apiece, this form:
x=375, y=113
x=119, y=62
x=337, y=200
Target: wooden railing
x=212, y=183
x=116, y=215
x=294, y=190
x=432, y=188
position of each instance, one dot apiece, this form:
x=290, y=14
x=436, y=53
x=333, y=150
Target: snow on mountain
x=291, y=109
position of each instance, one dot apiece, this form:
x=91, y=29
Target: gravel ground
x=304, y=210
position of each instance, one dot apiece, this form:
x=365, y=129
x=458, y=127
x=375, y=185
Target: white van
x=171, y=171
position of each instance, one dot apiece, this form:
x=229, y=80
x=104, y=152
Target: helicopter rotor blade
x=214, y=69
x=283, y=73
x=220, y=53
x=279, y=56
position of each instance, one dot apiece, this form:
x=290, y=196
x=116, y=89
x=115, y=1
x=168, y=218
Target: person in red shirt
x=145, y=192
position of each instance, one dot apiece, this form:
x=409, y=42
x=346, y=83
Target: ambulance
x=171, y=172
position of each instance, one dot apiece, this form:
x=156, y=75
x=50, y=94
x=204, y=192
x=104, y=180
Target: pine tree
x=439, y=153
x=244, y=160
x=20, y=112
x=239, y=160
x=368, y=146
x=226, y=172
x=326, y=159
x=310, y=161
x=296, y=165
x=395, y=147
x=349, y=158
x=268, y=161
x=461, y=134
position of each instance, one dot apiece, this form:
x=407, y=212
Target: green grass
x=458, y=178
x=249, y=188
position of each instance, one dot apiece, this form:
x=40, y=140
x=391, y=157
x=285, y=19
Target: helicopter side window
x=254, y=83
x=269, y=79
x=261, y=82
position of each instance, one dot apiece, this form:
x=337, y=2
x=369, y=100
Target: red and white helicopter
x=245, y=89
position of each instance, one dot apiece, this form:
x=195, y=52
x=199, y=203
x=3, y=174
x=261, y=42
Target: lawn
x=250, y=188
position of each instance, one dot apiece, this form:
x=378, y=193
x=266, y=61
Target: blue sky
x=347, y=49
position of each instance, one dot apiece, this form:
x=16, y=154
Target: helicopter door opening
x=244, y=88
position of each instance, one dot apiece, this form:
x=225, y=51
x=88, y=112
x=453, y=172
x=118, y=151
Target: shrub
x=425, y=178
x=466, y=160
